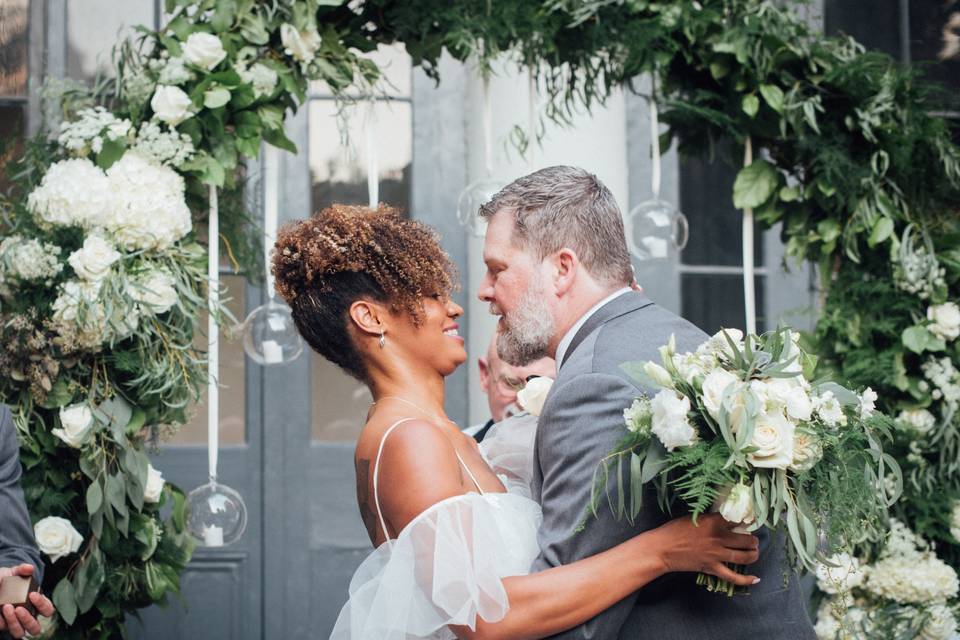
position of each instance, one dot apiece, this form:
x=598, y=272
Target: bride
x=370, y=291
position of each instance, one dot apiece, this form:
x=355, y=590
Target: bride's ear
x=368, y=317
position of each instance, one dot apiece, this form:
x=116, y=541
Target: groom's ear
x=369, y=317
x=566, y=265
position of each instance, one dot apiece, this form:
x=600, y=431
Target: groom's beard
x=524, y=335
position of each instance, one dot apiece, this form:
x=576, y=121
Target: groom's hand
x=707, y=547
x=18, y=621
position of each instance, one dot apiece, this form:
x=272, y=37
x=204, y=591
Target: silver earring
x=383, y=341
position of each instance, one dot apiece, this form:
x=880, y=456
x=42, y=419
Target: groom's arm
x=579, y=425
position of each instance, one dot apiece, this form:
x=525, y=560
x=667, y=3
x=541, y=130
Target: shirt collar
x=569, y=335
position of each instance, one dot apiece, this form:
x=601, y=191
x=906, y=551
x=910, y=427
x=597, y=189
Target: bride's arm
x=560, y=598
x=419, y=468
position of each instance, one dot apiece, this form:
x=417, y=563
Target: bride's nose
x=453, y=309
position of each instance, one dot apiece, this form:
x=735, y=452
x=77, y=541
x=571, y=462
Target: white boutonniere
x=534, y=394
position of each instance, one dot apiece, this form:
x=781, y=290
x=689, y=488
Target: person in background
x=19, y=555
x=500, y=382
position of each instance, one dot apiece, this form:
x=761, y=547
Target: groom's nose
x=485, y=293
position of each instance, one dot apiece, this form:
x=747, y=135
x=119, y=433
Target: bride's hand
x=705, y=547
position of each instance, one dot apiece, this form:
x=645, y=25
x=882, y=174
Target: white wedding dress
x=446, y=566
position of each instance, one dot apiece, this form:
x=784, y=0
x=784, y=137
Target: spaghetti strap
x=376, y=470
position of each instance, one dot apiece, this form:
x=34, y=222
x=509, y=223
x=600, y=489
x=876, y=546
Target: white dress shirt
x=569, y=335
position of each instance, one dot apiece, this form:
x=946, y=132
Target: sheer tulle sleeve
x=445, y=568
x=508, y=449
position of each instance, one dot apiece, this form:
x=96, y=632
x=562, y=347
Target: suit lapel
x=617, y=307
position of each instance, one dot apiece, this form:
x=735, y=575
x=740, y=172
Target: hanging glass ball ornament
x=270, y=336
x=476, y=194
x=216, y=514
x=656, y=230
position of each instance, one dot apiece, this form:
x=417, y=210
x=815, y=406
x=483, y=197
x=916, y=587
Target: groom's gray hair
x=568, y=207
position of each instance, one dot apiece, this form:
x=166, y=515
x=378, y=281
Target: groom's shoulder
x=638, y=335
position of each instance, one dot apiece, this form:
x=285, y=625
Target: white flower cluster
x=137, y=201
x=138, y=86
x=91, y=129
x=155, y=291
x=907, y=573
x=638, y=416
x=28, y=260
x=170, y=70
x=81, y=311
x=260, y=76
x=829, y=409
x=920, y=421
x=917, y=271
x=945, y=380
x=166, y=147
x=955, y=521
x=944, y=320
x=301, y=45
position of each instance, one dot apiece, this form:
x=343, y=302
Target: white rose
x=93, y=261
x=841, y=578
x=792, y=397
x=534, y=394
x=830, y=410
x=658, y=374
x=203, y=50
x=737, y=506
x=155, y=484
x=868, y=402
x=945, y=319
x=77, y=420
x=773, y=438
x=302, y=45
x=669, y=422
x=714, y=386
x=56, y=537
x=261, y=77
x=807, y=451
x=171, y=104
x=154, y=291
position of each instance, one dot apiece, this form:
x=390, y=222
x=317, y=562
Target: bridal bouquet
x=738, y=427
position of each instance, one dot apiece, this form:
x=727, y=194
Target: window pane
x=714, y=301
x=13, y=47
x=12, y=125
x=339, y=169
x=339, y=403
x=706, y=189
x=935, y=37
x=232, y=382
x=874, y=24
x=395, y=69
x=95, y=26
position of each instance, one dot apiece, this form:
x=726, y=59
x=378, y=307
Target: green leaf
x=111, y=152
x=222, y=16
x=919, y=339
x=773, y=96
x=654, y=463
x=750, y=105
x=65, y=600
x=789, y=194
x=94, y=497
x=116, y=493
x=277, y=138
x=115, y=414
x=89, y=580
x=216, y=98
x=882, y=230
x=60, y=395
x=754, y=185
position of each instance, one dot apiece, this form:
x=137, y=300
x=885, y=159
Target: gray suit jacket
x=580, y=423
x=17, y=545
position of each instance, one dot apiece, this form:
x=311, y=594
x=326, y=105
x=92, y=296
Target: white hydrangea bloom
x=138, y=87
x=944, y=320
x=945, y=379
x=73, y=192
x=913, y=580
x=150, y=210
x=261, y=77
x=29, y=260
x=919, y=420
x=166, y=147
x=88, y=132
x=942, y=624
x=843, y=577
x=172, y=71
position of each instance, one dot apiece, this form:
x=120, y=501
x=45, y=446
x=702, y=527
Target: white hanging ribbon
x=373, y=161
x=531, y=117
x=487, y=125
x=213, y=342
x=271, y=207
x=749, y=294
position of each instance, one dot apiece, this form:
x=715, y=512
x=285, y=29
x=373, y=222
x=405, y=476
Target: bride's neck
x=424, y=392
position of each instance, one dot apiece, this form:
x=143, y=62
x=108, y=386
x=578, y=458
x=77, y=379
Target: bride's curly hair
x=345, y=253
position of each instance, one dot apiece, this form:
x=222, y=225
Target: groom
x=558, y=275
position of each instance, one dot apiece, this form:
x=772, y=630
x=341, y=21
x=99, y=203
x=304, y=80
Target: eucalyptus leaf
x=65, y=600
